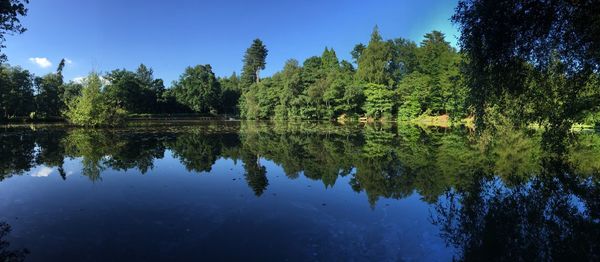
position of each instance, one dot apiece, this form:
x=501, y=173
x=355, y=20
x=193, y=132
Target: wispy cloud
x=41, y=62
x=68, y=61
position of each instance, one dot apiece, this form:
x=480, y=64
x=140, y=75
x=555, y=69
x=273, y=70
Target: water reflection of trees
x=197, y=151
x=7, y=254
x=17, y=150
x=533, y=204
x=499, y=195
x=387, y=161
x=554, y=216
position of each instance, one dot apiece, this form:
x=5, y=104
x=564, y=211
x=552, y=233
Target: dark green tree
x=404, y=58
x=437, y=60
x=16, y=92
x=126, y=91
x=254, y=61
x=198, y=89
x=137, y=92
x=145, y=75
x=357, y=51
x=505, y=41
x=329, y=59
x=47, y=98
x=313, y=76
x=152, y=89
x=374, y=62
x=230, y=94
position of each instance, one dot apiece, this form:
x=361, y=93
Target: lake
x=307, y=191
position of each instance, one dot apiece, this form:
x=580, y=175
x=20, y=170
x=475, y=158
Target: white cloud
x=68, y=61
x=78, y=79
x=41, y=62
x=42, y=172
x=81, y=79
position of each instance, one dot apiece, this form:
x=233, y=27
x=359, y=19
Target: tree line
x=109, y=98
x=387, y=79
x=396, y=77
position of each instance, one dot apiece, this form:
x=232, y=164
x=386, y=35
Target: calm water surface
x=264, y=191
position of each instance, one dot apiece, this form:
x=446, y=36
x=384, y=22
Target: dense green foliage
x=198, y=89
x=24, y=96
x=531, y=60
x=47, y=99
x=230, y=94
x=395, y=78
x=16, y=92
x=374, y=61
x=136, y=92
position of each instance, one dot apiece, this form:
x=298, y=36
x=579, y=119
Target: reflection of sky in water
x=41, y=171
x=171, y=213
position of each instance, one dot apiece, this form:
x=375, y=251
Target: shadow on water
x=496, y=197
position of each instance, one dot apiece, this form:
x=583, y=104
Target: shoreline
x=442, y=121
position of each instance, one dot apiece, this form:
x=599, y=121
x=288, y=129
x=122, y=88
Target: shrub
x=93, y=108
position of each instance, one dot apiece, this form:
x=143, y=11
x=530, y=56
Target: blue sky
x=171, y=35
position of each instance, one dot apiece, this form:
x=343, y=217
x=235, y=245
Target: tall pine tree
x=254, y=61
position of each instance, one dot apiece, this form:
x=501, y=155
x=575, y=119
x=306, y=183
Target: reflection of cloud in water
x=42, y=171
x=72, y=166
